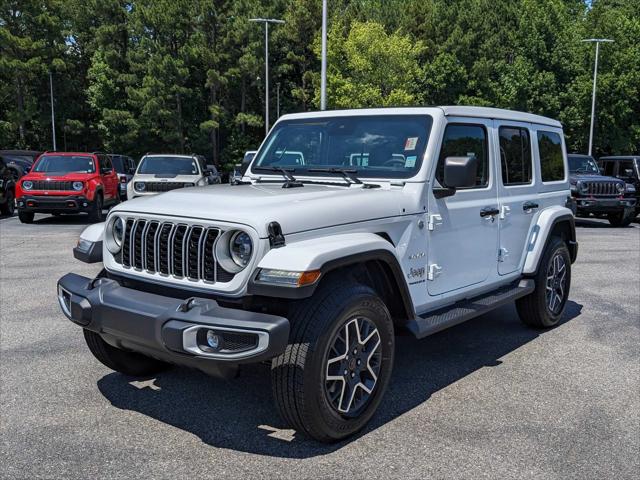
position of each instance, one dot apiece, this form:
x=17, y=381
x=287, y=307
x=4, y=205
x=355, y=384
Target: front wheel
x=544, y=307
x=9, y=206
x=620, y=219
x=95, y=215
x=129, y=363
x=26, y=217
x=331, y=378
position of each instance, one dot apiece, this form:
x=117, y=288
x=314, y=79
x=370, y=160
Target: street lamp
x=597, y=41
x=266, y=22
x=323, y=61
x=53, y=116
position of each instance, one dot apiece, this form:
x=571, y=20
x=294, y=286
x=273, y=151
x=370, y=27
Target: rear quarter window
x=551, y=161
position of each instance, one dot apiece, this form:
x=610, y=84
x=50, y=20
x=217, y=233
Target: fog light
x=213, y=339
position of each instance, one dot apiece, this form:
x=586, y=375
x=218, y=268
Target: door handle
x=528, y=206
x=489, y=212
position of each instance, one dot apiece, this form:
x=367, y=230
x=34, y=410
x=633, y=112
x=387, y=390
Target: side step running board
x=464, y=310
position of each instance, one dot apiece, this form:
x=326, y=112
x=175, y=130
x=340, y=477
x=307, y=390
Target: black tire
x=129, y=363
x=534, y=309
x=9, y=206
x=620, y=219
x=26, y=217
x=299, y=375
x=95, y=215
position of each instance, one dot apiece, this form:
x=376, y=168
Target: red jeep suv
x=66, y=182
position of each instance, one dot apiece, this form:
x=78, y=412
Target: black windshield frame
x=401, y=138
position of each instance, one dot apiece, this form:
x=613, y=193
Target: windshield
x=118, y=164
x=168, y=166
x=583, y=165
x=65, y=164
x=382, y=146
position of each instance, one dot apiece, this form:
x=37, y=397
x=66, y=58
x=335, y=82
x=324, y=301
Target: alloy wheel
x=353, y=366
x=556, y=283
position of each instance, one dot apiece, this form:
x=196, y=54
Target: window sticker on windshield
x=411, y=143
x=410, y=162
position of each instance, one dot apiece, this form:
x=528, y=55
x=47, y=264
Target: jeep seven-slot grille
x=165, y=186
x=175, y=249
x=52, y=185
x=602, y=188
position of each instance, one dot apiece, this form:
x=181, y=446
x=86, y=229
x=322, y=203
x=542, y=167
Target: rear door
x=109, y=178
x=462, y=230
x=518, y=199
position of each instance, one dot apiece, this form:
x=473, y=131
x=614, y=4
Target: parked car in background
x=457, y=211
x=7, y=188
x=157, y=173
x=125, y=168
x=68, y=182
x=627, y=169
x=19, y=162
x=597, y=194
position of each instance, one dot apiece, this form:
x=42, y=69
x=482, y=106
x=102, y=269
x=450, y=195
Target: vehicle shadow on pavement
x=62, y=220
x=602, y=223
x=239, y=414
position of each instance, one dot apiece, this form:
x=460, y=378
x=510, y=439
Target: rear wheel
x=335, y=370
x=95, y=215
x=9, y=206
x=129, y=363
x=620, y=219
x=544, y=307
x=26, y=217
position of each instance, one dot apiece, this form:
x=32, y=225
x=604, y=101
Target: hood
x=165, y=177
x=591, y=178
x=295, y=209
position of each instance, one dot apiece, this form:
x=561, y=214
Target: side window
x=609, y=168
x=465, y=140
x=551, y=162
x=515, y=155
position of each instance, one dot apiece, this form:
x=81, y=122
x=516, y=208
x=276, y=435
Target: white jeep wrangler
x=383, y=220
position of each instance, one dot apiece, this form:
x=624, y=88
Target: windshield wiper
x=290, y=180
x=349, y=174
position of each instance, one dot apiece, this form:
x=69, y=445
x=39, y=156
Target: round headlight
x=583, y=188
x=140, y=186
x=241, y=247
x=114, y=234
x=27, y=185
x=77, y=186
x=621, y=187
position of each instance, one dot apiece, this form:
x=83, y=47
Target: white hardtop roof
x=451, y=111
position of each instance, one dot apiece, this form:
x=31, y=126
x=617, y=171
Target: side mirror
x=601, y=170
x=460, y=172
x=628, y=172
x=246, y=161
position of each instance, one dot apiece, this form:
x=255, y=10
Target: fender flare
x=548, y=220
x=328, y=254
x=89, y=248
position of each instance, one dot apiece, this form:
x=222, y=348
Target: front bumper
x=54, y=203
x=172, y=329
x=604, y=205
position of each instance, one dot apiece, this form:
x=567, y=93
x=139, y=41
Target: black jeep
x=7, y=188
x=599, y=195
x=627, y=169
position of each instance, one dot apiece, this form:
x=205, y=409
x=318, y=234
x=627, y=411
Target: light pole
x=266, y=22
x=323, y=61
x=53, y=117
x=597, y=41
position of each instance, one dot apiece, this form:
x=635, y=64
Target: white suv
x=157, y=173
x=384, y=220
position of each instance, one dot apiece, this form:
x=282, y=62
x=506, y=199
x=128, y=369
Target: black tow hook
x=189, y=304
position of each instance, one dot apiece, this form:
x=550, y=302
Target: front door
x=519, y=201
x=463, y=228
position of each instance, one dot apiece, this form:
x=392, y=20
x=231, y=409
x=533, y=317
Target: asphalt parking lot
x=486, y=399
